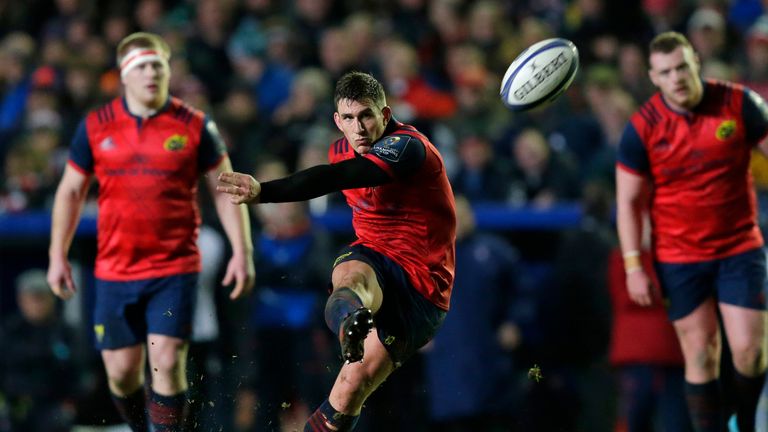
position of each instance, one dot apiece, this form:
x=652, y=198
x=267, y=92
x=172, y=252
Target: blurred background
x=534, y=341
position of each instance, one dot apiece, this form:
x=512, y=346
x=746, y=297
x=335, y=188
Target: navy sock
x=167, y=412
x=327, y=419
x=747, y=390
x=704, y=404
x=342, y=302
x=132, y=409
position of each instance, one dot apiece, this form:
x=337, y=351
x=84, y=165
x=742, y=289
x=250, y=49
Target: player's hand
x=60, y=279
x=240, y=270
x=241, y=188
x=640, y=288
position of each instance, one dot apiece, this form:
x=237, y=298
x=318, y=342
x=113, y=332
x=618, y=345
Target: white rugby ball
x=540, y=74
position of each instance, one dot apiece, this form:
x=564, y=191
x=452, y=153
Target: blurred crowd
x=265, y=70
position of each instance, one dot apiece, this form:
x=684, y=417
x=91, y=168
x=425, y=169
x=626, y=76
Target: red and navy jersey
x=703, y=203
x=148, y=171
x=412, y=219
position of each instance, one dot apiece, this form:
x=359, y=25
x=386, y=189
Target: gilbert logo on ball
x=540, y=74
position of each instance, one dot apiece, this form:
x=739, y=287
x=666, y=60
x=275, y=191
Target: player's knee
x=364, y=285
x=749, y=359
x=705, y=359
x=124, y=376
x=166, y=360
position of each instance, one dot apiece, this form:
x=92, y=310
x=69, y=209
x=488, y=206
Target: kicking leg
x=354, y=384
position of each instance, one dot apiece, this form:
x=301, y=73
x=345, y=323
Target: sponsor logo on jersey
x=175, y=142
x=725, y=130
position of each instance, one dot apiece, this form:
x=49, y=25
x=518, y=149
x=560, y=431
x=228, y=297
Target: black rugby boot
x=354, y=330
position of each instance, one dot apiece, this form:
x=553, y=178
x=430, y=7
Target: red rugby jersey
x=703, y=203
x=148, y=171
x=411, y=220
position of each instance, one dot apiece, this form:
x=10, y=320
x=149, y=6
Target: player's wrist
x=632, y=263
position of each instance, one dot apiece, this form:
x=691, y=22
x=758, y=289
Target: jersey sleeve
x=80, y=153
x=755, y=114
x=212, y=148
x=632, y=154
x=399, y=155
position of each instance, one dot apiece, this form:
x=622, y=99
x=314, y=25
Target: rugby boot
x=354, y=330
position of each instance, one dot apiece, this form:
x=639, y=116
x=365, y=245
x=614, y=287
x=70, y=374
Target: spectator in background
x=611, y=106
x=412, y=96
x=307, y=106
x=707, y=32
x=755, y=74
x=578, y=320
x=337, y=54
x=34, y=163
x=241, y=125
x=206, y=49
x=40, y=371
x=479, y=331
x=16, y=51
x=481, y=175
x=292, y=257
x=540, y=176
x=646, y=356
x=631, y=66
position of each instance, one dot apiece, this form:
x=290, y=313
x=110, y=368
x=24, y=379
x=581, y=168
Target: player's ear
x=386, y=113
x=337, y=120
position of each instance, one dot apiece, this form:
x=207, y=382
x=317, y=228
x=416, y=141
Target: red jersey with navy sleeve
x=411, y=220
x=703, y=204
x=148, y=172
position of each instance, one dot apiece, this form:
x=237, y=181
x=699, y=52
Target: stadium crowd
x=265, y=71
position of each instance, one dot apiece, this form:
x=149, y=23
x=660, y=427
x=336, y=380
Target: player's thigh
x=118, y=315
x=170, y=305
x=686, y=286
x=699, y=329
x=741, y=280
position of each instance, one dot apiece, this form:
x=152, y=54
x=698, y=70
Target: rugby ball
x=540, y=74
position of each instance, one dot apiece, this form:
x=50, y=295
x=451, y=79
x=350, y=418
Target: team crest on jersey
x=175, y=142
x=725, y=130
x=107, y=144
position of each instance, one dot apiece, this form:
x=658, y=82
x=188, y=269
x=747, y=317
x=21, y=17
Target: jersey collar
x=163, y=108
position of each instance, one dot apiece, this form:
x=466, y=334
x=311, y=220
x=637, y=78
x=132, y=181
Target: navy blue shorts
x=406, y=320
x=737, y=280
x=125, y=312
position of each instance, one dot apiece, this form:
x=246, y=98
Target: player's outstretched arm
x=67, y=205
x=240, y=187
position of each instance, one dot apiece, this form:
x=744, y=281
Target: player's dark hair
x=361, y=87
x=667, y=42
